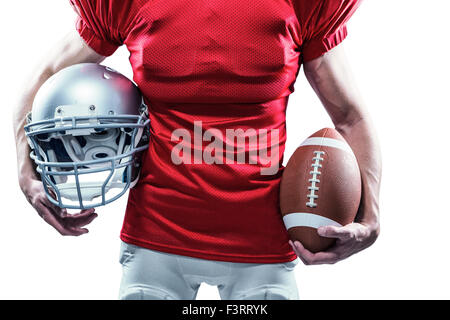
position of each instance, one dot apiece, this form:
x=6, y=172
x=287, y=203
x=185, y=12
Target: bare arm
x=331, y=79
x=71, y=50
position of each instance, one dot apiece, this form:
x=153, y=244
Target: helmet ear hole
x=100, y=155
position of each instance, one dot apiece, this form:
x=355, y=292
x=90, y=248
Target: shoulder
x=316, y=11
x=309, y=7
x=114, y=7
x=110, y=14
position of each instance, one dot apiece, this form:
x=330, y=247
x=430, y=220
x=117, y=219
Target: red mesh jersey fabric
x=206, y=67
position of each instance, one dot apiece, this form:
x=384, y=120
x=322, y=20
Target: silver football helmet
x=87, y=129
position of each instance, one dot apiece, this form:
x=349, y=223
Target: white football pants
x=154, y=275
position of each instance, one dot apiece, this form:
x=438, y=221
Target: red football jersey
x=216, y=76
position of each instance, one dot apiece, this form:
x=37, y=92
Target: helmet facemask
x=87, y=127
x=84, y=164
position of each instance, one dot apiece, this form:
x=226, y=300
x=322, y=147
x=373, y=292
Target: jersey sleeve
x=102, y=24
x=323, y=24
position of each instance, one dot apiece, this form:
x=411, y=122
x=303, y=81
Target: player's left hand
x=350, y=239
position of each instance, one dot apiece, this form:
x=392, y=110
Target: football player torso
x=216, y=76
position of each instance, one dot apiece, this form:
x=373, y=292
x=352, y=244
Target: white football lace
x=312, y=196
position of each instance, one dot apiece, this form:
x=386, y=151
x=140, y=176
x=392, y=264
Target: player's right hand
x=66, y=224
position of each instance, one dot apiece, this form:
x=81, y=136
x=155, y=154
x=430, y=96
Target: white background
x=399, y=54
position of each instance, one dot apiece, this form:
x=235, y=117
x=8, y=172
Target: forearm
x=332, y=80
x=71, y=50
x=362, y=138
x=24, y=164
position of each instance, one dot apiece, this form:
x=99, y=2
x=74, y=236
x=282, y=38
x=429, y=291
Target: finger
x=77, y=231
x=86, y=211
x=61, y=212
x=55, y=222
x=79, y=220
x=297, y=252
x=342, y=233
x=74, y=222
x=49, y=204
x=324, y=257
x=305, y=255
x=56, y=208
x=293, y=247
x=48, y=217
x=83, y=214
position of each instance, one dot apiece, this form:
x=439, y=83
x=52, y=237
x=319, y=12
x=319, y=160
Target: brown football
x=321, y=185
